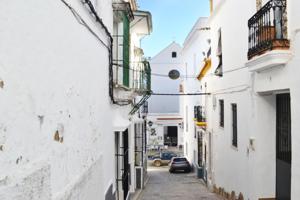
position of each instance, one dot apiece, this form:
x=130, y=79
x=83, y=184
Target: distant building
x=164, y=111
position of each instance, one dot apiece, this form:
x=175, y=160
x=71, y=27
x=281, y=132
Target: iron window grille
x=221, y=117
x=199, y=113
x=234, y=125
x=283, y=128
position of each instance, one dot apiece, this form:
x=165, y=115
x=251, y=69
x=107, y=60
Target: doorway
x=126, y=167
x=171, y=136
x=283, y=147
x=122, y=166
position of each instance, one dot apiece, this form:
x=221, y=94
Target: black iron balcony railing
x=268, y=29
x=199, y=114
x=141, y=76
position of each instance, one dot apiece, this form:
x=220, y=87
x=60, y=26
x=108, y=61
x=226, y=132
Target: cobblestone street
x=179, y=186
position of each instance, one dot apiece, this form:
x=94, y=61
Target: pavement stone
x=163, y=185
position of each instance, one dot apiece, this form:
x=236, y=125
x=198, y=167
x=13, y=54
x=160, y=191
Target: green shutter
x=126, y=49
x=148, y=75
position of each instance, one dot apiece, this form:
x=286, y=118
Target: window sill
x=234, y=148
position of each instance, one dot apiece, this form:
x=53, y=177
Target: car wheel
x=157, y=163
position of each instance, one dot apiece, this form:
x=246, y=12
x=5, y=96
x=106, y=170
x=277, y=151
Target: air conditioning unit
x=139, y=177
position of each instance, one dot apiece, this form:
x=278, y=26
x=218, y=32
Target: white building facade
x=252, y=111
x=195, y=56
x=164, y=104
x=59, y=113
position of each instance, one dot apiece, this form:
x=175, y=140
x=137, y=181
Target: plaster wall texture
x=29, y=183
x=54, y=103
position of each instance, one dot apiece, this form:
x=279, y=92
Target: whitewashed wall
x=192, y=55
x=161, y=64
x=294, y=34
x=55, y=79
x=256, y=105
x=233, y=166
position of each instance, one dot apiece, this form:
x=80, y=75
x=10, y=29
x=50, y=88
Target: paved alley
x=179, y=186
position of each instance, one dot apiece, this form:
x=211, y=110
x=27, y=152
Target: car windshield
x=179, y=159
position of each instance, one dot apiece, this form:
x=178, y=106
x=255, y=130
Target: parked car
x=180, y=164
x=162, y=158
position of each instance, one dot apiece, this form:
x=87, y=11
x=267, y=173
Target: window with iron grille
x=221, y=120
x=138, y=134
x=283, y=128
x=126, y=48
x=234, y=124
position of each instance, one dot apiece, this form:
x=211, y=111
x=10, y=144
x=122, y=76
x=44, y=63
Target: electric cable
x=81, y=21
x=179, y=94
x=109, y=46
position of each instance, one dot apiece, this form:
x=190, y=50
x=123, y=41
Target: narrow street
x=177, y=186
x=97, y=97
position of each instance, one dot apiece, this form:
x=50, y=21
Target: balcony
x=141, y=82
x=268, y=29
x=199, y=116
x=137, y=77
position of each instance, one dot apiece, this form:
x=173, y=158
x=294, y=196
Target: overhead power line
x=179, y=94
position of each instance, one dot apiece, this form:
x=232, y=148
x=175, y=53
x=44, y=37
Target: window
x=174, y=54
x=219, y=70
x=221, y=120
x=234, y=124
x=174, y=74
x=138, y=134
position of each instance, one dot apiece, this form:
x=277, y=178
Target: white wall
x=295, y=108
x=193, y=59
x=233, y=166
x=55, y=79
x=162, y=64
x=256, y=105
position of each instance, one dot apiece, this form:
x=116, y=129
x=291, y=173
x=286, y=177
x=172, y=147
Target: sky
x=172, y=21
